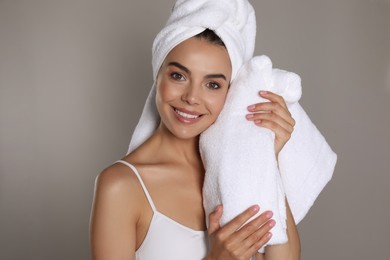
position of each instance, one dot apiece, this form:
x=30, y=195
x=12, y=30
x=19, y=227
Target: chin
x=186, y=134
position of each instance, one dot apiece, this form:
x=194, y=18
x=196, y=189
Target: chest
x=177, y=195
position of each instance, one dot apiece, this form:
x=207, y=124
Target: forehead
x=199, y=54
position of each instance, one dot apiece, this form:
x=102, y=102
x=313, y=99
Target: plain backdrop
x=74, y=75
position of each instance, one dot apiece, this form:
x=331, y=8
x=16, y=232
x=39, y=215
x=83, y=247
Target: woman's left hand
x=275, y=116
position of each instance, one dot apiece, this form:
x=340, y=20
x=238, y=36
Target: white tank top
x=167, y=239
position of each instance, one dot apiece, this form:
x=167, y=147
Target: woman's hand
x=275, y=116
x=233, y=242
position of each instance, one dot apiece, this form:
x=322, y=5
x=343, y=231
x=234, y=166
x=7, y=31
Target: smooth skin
x=194, y=79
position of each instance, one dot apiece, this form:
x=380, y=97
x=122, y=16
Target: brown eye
x=177, y=76
x=213, y=85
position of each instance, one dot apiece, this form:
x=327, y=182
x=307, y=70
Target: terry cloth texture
x=239, y=157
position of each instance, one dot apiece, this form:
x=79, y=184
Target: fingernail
x=272, y=223
x=255, y=208
x=249, y=116
x=269, y=214
x=218, y=207
x=263, y=92
x=251, y=107
x=269, y=235
x=257, y=121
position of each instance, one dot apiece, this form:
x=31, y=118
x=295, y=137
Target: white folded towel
x=239, y=157
x=233, y=21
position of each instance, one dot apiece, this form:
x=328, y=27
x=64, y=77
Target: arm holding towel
x=242, y=170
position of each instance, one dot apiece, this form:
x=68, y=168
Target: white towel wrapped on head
x=233, y=21
x=239, y=157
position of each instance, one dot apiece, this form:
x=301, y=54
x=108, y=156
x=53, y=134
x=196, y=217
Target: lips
x=187, y=116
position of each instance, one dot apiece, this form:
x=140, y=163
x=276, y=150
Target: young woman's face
x=191, y=86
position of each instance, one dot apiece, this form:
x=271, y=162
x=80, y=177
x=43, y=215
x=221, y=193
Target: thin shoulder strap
x=142, y=183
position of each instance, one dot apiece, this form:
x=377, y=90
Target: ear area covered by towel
x=258, y=74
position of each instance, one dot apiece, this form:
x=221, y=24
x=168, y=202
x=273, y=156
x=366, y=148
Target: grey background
x=74, y=76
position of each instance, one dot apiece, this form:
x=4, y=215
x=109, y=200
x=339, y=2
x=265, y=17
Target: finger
x=258, y=238
x=238, y=221
x=214, y=219
x=266, y=107
x=259, y=117
x=285, y=113
x=273, y=97
x=252, y=226
x=260, y=243
x=280, y=132
x=238, y=241
x=270, y=108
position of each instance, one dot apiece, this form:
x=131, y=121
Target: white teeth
x=186, y=115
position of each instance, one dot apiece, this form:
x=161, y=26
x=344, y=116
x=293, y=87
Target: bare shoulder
x=116, y=177
x=119, y=183
x=116, y=209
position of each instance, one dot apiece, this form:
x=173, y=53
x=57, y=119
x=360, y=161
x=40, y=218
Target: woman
x=149, y=204
x=192, y=84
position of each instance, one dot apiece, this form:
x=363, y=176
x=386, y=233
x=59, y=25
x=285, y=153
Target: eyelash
x=211, y=85
x=175, y=74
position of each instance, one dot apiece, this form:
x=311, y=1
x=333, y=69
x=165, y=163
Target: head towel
x=233, y=21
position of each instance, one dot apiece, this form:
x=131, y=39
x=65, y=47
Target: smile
x=186, y=116
x=189, y=116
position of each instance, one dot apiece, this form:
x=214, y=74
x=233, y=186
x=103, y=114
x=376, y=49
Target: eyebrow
x=209, y=76
x=176, y=64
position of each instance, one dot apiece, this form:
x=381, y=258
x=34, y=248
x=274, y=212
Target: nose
x=191, y=95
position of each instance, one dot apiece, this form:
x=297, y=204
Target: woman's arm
x=114, y=216
x=290, y=250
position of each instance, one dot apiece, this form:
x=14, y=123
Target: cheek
x=165, y=92
x=217, y=103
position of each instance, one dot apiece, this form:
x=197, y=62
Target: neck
x=174, y=149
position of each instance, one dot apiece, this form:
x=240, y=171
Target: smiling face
x=192, y=85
